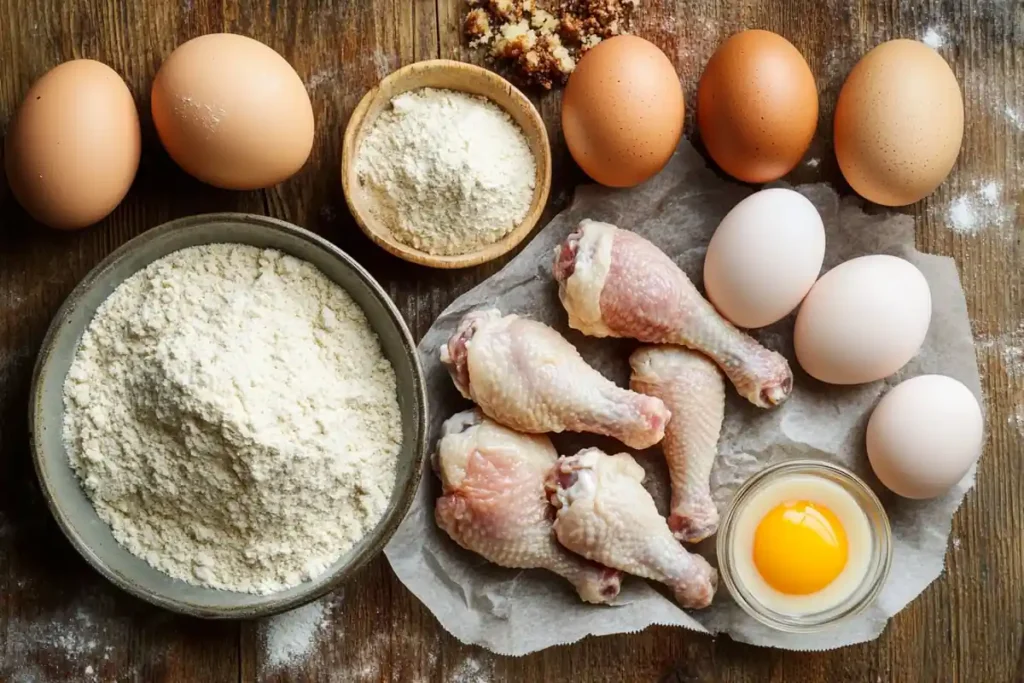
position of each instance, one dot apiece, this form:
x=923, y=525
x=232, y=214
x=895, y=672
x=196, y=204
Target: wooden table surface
x=59, y=621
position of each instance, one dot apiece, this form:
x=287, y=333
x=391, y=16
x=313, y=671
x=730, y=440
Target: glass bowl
x=878, y=565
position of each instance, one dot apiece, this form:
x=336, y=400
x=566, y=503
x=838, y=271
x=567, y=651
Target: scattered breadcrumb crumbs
x=541, y=45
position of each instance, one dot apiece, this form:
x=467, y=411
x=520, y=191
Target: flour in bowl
x=232, y=417
x=448, y=172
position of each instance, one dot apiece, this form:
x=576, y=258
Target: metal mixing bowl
x=68, y=502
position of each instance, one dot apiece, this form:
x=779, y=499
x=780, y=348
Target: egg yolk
x=800, y=547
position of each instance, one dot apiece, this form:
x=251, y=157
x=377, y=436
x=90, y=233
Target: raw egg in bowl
x=804, y=544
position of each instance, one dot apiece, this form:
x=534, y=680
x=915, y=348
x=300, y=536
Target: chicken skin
x=614, y=283
x=495, y=505
x=606, y=515
x=693, y=389
x=526, y=375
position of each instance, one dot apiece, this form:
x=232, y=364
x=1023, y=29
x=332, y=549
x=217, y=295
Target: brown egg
x=232, y=112
x=622, y=112
x=73, y=147
x=899, y=123
x=757, y=106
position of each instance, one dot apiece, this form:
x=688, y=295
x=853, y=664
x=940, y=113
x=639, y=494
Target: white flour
x=1017, y=419
x=980, y=208
x=1008, y=348
x=289, y=638
x=471, y=670
x=934, y=37
x=449, y=172
x=1014, y=117
x=232, y=417
x=75, y=636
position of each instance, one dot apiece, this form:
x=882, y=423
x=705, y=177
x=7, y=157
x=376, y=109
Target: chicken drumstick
x=494, y=502
x=614, y=283
x=606, y=515
x=525, y=375
x=693, y=389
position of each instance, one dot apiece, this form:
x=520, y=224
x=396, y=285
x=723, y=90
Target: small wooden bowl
x=443, y=73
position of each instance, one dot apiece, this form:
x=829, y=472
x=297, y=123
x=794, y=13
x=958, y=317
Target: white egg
x=764, y=257
x=820, y=491
x=863, y=320
x=924, y=435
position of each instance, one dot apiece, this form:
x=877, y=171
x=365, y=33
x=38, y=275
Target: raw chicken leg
x=494, y=502
x=693, y=389
x=525, y=375
x=614, y=283
x=605, y=514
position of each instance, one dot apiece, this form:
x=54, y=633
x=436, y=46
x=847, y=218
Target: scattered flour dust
x=1008, y=347
x=323, y=78
x=1014, y=117
x=383, y=62
x=1017, y=419
x=367, y=659
x=934, y=37
x=76, y=637
x=289, y=638
x=471, y=670
x=364, y=666
x=232, y=417
x=72, y=637
x=1008, y=351
x=980, y=208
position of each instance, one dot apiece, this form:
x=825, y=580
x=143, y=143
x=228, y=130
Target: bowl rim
x=388, y=523
x=383, y=239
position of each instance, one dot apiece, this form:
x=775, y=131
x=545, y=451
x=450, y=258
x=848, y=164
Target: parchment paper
x=516, y=612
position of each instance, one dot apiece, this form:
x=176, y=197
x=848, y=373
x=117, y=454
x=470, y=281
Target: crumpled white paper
x=516, y=612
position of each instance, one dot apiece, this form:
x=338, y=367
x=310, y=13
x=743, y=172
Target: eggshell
x=72, y=149
x=764, y=257
x=757, y=106
x=924, y=435
x=232, y=112
x=622, y=111
x=899, y=123
x=863, y=320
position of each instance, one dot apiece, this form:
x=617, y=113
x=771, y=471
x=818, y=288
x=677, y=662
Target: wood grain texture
x=60, y=622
